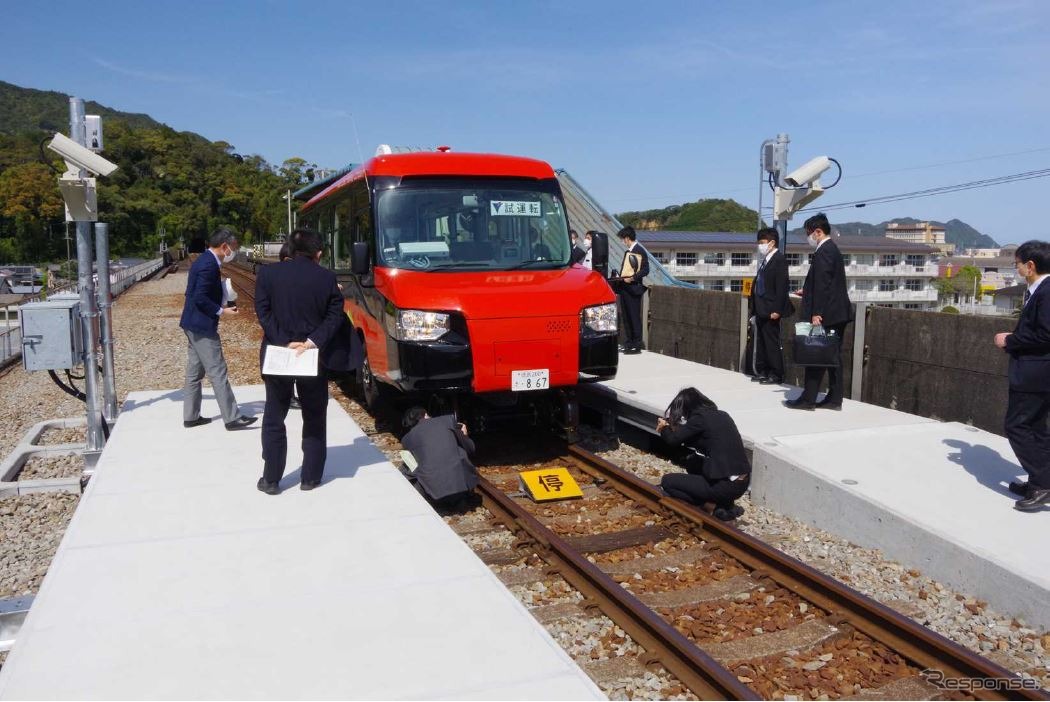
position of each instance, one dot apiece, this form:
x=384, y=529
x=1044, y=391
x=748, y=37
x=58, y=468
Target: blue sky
x=647, y=104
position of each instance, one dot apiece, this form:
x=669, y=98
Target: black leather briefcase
x=817, y=351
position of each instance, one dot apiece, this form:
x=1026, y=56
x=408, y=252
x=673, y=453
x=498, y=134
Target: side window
x=362, y=215
x=343, y=235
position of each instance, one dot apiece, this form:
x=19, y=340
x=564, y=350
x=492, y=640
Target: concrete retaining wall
x=697, y=325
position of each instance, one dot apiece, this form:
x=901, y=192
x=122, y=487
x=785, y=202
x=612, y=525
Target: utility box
x=52, y=335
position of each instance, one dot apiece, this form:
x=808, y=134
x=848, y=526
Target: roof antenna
x=357, y=139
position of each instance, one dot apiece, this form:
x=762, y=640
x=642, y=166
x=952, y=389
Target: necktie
x=760, y=284
x=1027, y=294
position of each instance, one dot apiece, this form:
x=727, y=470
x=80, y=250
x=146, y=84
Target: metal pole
x=859, y=343
x=105, y=305
x=288, y=197
x=88, y=315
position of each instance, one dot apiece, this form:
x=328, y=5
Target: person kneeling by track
x=717, y=471
x=441, y=447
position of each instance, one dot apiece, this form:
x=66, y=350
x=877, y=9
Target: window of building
x=794, y=259
x=741, y=259
x=915, y=284
x=846, y=259
x=864, y=259
x=685, y=258
x=887, y=285
x=715, y=259
x=660, y=256
x=888, y=260
x=795, y=284
x=809, y=259
x=714, y=285
x=912, y=306
x=736, y=285
x=916, y=260
x=863, y=285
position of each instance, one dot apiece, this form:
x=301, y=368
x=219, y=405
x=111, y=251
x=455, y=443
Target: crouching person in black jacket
x=713, y=455
x=441, y=448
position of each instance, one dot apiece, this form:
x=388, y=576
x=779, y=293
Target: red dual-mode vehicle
x=456, y=271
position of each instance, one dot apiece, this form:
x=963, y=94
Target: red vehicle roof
x=439, y=163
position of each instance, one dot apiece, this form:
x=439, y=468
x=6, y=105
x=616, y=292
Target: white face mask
x=813, y=241
x=586, y=244
x=229, y=257
x=763, y=249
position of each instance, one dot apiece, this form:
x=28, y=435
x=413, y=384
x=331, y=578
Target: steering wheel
x=420, y=262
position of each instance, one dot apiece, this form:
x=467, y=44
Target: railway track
x=727, y=615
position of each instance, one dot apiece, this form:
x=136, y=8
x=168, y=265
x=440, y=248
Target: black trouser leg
x=697, y=489
x=632, y=312
x=1026, y=414
x=770, y=355
x=313, y=397
x=814, y=375
x=274, y=435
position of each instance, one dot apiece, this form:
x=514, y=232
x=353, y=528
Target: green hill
x=178, y=182
x=702, y=215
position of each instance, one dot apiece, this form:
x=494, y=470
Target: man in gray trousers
x=200, y=322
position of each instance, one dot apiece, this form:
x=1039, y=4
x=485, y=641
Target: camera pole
x=105, y=308
x=86, y=286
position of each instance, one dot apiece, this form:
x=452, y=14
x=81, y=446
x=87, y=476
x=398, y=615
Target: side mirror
x=600, y=253
x=359, y=260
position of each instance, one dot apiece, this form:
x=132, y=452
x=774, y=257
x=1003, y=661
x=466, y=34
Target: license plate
x=539, y=379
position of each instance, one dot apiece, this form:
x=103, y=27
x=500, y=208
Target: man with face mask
x=588, y=241
x=769, y=303
x=200, y=322
x=825, y=301
x=578, y=252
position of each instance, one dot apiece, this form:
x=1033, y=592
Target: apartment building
x=926, y=233
x=887, y=272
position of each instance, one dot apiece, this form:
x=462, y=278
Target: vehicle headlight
x=417, y=325
x=600, y=318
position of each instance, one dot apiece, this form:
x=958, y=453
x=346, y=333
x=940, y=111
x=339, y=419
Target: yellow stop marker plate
x=549, y=484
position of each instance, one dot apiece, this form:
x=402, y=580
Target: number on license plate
x=539, y=379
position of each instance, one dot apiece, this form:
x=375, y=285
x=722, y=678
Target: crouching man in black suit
x=769, y=303
x=1029, y=403
x=300, y=307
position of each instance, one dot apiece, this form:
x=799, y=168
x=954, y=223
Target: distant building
x=1008, y=300
x=921, y=233
x=883, y=271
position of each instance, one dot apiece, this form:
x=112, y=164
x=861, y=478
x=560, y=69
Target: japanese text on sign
x=512, y=208
x=549, y=484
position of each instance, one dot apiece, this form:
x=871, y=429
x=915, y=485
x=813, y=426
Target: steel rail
x=921, y=646
x=661, y=641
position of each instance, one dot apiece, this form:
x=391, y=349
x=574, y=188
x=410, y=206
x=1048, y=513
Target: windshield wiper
x=460, y=264
x=531, y=261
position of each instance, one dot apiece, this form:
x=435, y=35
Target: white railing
x=929, y=295
x=714, y=270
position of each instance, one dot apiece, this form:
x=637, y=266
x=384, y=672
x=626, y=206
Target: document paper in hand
x=283, y=361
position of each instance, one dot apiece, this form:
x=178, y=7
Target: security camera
x=808, y=173
x=77, y=157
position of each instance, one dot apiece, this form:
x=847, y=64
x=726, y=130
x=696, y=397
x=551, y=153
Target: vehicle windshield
x=436, y=226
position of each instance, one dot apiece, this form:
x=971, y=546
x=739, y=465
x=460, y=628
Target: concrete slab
x=930, y=494
x=933, y=496
x=178, y=579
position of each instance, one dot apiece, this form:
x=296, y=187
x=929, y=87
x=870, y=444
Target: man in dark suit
x=578, y=252
x=200, y=322
x=769, y=303
x=629, y=285
x=299, y=306
x=825, y=301
x=1029, y=403
x=441, y=448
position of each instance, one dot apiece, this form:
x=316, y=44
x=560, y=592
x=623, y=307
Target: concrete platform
x=178, y=579
x=930, y=494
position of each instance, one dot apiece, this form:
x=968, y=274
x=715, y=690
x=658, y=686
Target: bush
x=950, y=310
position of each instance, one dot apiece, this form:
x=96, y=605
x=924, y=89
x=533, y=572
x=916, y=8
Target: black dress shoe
x=1037, y=498
x=771, y=380
x=799, y=404
x=309, y=484
x=758, y=378
x=198, y=422
x=632, y=351
x=1019, y=487
x=269, y=488
x=241, y=423
x=824, y=404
